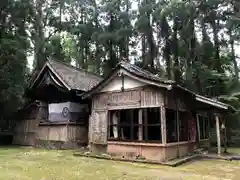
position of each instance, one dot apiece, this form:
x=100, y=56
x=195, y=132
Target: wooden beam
x=163, y=125
x=218, y=135
x=140, y=127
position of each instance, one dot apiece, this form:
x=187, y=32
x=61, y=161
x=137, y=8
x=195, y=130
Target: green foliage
x=13, y=48
x=192, y=42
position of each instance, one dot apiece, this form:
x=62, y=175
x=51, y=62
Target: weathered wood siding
x=117, y=83
x=141, y=97
x=77, y=134
x=62, y=136
x=98, y=133
x=25, y=132
x=26, y=126
x=138, y=98
x=117, y=100
x=52, y=133
x=177, y=100
x=151, y=97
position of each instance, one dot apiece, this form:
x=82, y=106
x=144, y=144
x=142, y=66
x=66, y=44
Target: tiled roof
x=134, y=70
x=75, y=78
x=137, y=71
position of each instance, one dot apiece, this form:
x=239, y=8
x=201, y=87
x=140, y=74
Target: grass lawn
x=39, y=164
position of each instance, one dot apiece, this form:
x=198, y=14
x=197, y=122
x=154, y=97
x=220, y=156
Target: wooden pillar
x=218, y=134
x=163, y=125
x=178, y=127
x=225, y=136
x=198, y=130
x=140, y=127
x=145, y=123
x=132, y=127
x=209, y=131
x=178, y=133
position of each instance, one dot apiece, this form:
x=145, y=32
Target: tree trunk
x=145, y=63
x=191, y=50
x=39, y=37
x=150, y=40
x=97, y=52
x=175, y=52
x=217, y=46
x=166, y=55
x=127, y=37
x=236, y=70
x=81, y=61
x=86, y=60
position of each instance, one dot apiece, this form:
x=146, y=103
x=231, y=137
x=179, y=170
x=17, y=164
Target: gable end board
x=117, y=73
x=117, y=83
x=47, y=65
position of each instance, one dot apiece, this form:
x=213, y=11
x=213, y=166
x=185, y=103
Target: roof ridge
x=145, y=71
x=74, y=67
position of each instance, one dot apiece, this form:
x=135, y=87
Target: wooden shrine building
x=137, y=114
x=56, y=117
x=131, y=113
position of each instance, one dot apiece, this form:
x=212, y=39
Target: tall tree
x=14, y=18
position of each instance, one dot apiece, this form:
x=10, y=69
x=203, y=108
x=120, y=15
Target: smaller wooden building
x=137, y=114
x=57, y=117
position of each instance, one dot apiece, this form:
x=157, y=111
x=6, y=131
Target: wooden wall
x=136, y=98
x=52, y=133
x=30, y=131
x=64, y=136
x=24, y=133
x=77, y=134
x=26, y=125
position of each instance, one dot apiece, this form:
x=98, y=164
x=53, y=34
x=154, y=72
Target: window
x=152, y=124
x=135, y=125
x=203, y=126
x=183, y=126
x=172, y=126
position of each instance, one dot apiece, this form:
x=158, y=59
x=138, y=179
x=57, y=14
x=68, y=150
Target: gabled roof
x=71, y=78
x=149, y=78
x=132, y=71
x=143, y=73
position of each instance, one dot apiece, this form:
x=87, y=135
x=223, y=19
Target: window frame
x=132, y=126
x=205, y=134
x=179, y=134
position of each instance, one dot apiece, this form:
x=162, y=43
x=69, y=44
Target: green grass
x=40, y=164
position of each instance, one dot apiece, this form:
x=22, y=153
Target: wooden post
x=178, y=133
x=209, y=131
x=132, y=127
x=140, y=127
x=198, y=130
x=225, y=136
x=218, y=134
x=145, y=123
x=163, y=125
